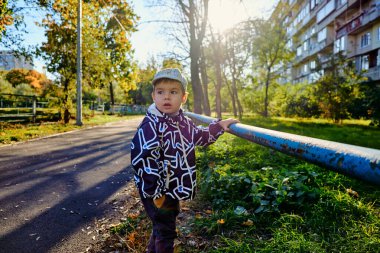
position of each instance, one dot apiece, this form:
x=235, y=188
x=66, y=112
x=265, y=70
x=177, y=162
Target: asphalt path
x=52, y=189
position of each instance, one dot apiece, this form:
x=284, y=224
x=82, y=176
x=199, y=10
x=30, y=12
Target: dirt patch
x=130, y=229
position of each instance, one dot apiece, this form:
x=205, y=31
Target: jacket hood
x=157, y=115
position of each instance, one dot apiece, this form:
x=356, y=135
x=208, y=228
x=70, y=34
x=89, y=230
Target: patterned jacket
x=163, y=153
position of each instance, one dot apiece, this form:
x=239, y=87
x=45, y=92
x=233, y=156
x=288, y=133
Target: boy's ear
x=184, y=97
x=153, y=96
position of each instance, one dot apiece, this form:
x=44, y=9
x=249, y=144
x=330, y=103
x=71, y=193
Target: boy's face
x=168, y=96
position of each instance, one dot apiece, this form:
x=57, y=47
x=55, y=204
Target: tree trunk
x=66, y=112
x=218, y=72
x=203, y=70
x=236, y=98
x=195, y=47
x=266, y=93
x=230, y=90
x=218, y=87
x=112, y=99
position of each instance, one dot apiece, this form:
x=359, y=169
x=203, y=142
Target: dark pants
x=164, y=224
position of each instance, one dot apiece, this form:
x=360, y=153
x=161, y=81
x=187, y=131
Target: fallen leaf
x=198, y=216
x=248, y=223
x=352, y=193
x=209, y=211
x=185, y=209
x=221, y=221
x=37, y=238
x=133, y=215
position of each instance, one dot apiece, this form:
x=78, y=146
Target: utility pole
x=79, y=65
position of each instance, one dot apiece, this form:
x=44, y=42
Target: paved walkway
x=52, y=189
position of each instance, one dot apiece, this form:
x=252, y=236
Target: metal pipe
x=355, y=161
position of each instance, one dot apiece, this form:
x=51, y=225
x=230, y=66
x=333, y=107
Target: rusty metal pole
x=355, y=161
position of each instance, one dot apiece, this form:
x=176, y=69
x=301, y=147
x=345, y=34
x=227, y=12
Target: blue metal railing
x=358, y=162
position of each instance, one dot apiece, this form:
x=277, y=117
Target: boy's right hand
x=159, y=202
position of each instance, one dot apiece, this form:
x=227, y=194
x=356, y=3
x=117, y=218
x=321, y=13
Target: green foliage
x=127, y=226
x=294, y=100
x=293, y=206
x=143, y=94
x=367, y=106
x=338, y=87
x=263, y=190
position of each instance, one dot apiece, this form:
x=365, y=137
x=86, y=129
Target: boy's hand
x=226, y=123
x=159, y=202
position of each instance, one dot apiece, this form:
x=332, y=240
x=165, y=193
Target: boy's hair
x=172, y=74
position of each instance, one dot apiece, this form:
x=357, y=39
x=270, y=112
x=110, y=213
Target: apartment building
x=319, y=28
x=8, y=61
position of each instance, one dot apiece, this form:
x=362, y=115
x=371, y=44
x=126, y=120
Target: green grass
x=355, y=132
x=293, y=206
x=15, y=132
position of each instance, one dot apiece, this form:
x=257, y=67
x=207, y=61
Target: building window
x=322, y=35
x=312, y=65
x=305, y=68
x=325, y=11
x=312, y=4
x=365, y=39
x=365, y=62
x=339, y=45
x=341, y=2
x=305, y=44
x=299, y=51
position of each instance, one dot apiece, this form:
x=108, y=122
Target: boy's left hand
x=226, y=123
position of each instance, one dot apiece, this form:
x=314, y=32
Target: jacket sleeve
x=204, y=136
x=145, y=157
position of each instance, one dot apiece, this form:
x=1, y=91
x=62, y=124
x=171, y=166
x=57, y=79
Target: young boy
x=163, y=156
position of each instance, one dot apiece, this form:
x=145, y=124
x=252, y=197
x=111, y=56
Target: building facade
x=318, y=28
x=8, y=61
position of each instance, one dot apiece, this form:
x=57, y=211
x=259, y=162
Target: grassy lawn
x=265, y=201
x=14, y=132
x=355, y=132
x=253, y=199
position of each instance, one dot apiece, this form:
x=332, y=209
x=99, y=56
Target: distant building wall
x=317, y=28
x=8, y=61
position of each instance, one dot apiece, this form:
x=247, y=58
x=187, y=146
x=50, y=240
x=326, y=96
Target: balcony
x=354, y=25
x=350, y=27
x=373, y=73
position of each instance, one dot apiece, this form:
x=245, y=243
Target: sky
x=223, y=14
x=149, y=40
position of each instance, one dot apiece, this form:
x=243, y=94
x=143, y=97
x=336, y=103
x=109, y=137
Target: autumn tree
x=107, y=26
x=6, y=18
